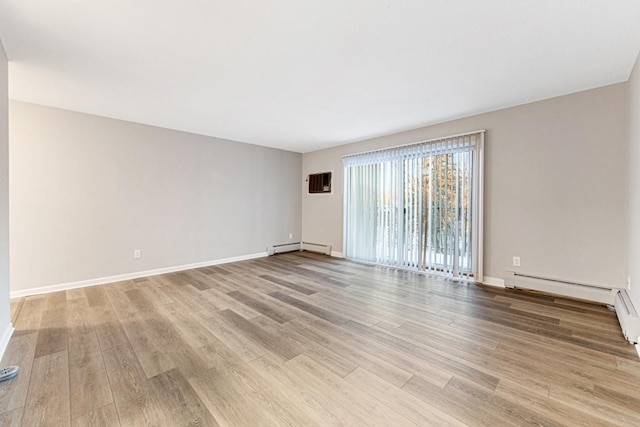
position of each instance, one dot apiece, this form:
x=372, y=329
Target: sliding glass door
x=417, y=206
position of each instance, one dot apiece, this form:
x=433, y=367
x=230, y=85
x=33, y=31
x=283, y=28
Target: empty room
x=355, y=213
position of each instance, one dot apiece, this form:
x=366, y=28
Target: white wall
x=5, y=319
x=86, y=191
x=634, y=185
x=555, y=186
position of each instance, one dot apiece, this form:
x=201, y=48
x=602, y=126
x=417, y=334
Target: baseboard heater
x=299, y=246
x=282, y=248
x=316, y=247
x=627, y=316
x=572, y=289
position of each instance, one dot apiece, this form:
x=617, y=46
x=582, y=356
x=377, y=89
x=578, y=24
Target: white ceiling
x=303, y=75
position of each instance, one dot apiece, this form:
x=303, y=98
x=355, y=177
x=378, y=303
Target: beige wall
x=5, y=323
x=86, y=191
x=634, y=184
x=555, y=186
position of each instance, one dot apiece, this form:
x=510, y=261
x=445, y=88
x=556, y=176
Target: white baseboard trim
x=129, y=276
x=4, y=342
x=638, y=347
x=493, y=281
x=337, y=254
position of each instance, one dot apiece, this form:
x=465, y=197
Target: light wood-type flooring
x=301, y=339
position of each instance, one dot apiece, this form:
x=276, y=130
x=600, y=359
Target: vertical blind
x=418, y=206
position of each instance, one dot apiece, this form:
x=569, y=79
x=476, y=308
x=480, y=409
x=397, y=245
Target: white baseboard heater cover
x=316, y=247
x=627, y=316
x=282, y=248
x=589, y=292
x=298, y=246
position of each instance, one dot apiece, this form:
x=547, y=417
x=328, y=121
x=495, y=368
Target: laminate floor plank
x=144, y=307
x=260, y=306
x=315, y=393
x=598, y=314
x=558, y=412
x=571, y=374
x=400, y=360
x=394, y=315
x=224, y=283
x=629, y=367
x=309, y=308
x=297, y=392
x=305, y=339
x=485, y=358
x=246, y=283
x=530, y=347
x=53, y=332
x=289, y=284
x=12, y=418
x=587, y=319
x=437, y=360
x=371, y=410
x=162, y=280
x=443, y=336
x=15, y=306
x=271, y=268
x=79, y=319
x=475, y=396
x=231, y=378
x=283, y=310
x=195, y=279
x=245, y=348
x=48, y=400
x=154, y=292
x=88, y=383
x=342, y=309
x=107, y=416
x=108, y=329
x=193, y=332
x=542, y=341
x=30, y=315
x=588, y=401
x=231, y=303
x=133, y=398
x=190, y=299
x=463, y=410
x=95, y=296
x=361, y=354
x=179, y=403
x=610, y=337
x=320, y=354
x=146, y=344
x=268, y=341
x=401, y=401
x=56, y=300
x=175, y=347
x=218, y=269
x=119, y=303
x=20, y=351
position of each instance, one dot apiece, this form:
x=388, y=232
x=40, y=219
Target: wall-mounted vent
x=319, y=183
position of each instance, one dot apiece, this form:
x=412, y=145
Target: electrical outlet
x=291, y=235
x=137, y=253
x=516, y=261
